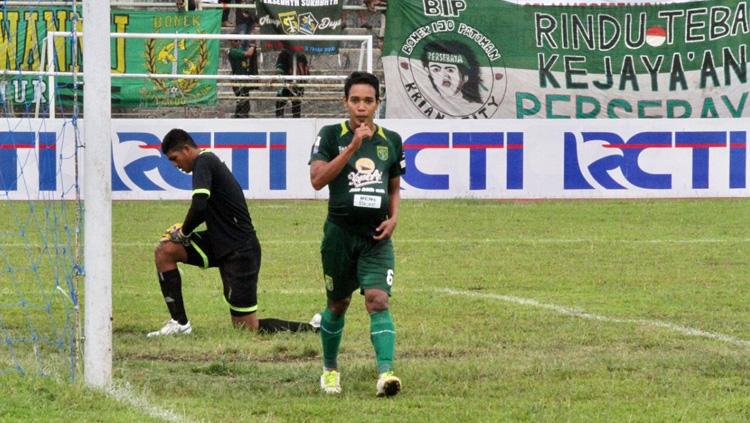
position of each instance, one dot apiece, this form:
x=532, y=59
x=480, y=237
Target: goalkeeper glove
x=174, y=234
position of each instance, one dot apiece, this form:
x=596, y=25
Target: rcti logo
x=240, y=143
x=13, y=142
x=477, y=143
x=585, y=175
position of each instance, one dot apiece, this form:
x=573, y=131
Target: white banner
x=500, y=159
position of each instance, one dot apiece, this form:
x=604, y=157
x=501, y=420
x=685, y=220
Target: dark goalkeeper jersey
x=228, y=220
x=358, y=196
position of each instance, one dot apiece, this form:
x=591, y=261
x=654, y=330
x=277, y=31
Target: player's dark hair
x=176, y=139
x=470, y=90
x=362, y=78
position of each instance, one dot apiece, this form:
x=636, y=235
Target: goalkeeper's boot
x=330, y=382
x=172, y=327
x=315, y=322
x=388, y=385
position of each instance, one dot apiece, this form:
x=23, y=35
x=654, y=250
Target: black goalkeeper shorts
x=239, y=270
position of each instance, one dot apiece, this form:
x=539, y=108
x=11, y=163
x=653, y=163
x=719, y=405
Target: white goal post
x=97, y=164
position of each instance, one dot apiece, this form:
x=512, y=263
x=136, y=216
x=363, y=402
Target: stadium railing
x=365, y=62
x=348, y=58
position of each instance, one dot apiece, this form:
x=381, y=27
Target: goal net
x=40, y=203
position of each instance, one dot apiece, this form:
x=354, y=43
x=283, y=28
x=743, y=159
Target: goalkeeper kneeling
x=229, y=242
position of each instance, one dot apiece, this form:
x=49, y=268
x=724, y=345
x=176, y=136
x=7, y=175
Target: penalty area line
x=573, y=312
x=122, y=392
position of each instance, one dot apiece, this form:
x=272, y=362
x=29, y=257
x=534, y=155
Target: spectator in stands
x=244, y=20
x=372, y=4
x=285, y=66
x=354, y=19
x=225, y=13
x=185, y=5
x=362, y=18
x=243, y=61
x=243, y=17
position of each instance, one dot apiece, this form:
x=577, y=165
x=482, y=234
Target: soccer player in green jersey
x=361, y=163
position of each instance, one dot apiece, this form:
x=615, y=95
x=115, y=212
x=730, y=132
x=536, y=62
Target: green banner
x=23, y=33
x=300, y=17
x=491, y=59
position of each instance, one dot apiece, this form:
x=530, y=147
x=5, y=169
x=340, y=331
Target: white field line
x=322, y=290
x=124, y=394
x=452, y=241
x=573, y=312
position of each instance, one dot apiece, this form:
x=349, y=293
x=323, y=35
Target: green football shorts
x=352, y=261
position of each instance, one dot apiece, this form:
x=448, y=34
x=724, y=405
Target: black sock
x=171, y=289
x=277, y=325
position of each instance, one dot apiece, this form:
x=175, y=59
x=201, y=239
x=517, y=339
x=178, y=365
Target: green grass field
x=505, y=311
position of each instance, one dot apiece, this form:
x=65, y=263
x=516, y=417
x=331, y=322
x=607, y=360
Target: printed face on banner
x=451, y=78
x=448, y=79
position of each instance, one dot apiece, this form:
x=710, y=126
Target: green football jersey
x=358, y=196
x=242, y=65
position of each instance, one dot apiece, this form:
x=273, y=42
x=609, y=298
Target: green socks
x=383, y=336
x=331, y=329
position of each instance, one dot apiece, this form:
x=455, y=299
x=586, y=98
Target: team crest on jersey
x=366, y=173
x=382, y=152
